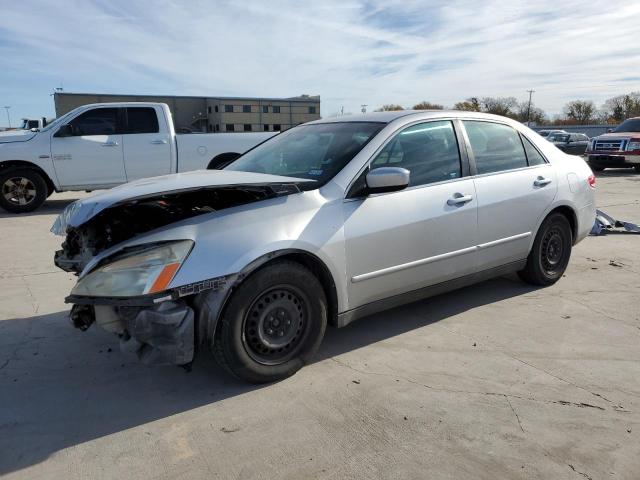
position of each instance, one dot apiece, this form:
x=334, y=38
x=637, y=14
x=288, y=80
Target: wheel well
x=22, y=164
x=571, y=217
x=222, y=160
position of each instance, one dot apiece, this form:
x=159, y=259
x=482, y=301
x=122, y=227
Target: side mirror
x=64, y=131
x=387, y=179
x=609, y=130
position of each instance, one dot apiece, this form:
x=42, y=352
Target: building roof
x=300, y=98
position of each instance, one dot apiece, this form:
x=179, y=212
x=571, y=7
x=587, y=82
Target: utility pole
x=529, y=106
x=7, y=107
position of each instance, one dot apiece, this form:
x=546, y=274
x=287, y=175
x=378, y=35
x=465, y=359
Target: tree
x=505, y=106
x=424, y=105
x=469, y=105
x=532, y=114
x=622, y=107
x=581, y=112
x=390, y=107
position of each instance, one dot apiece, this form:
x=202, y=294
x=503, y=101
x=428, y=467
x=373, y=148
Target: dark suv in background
x=571, y=143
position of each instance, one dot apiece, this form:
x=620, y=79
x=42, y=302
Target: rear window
x=142, y=120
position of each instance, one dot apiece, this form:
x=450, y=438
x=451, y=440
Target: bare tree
x=580, y=111
x=390, y=107
x=469, y=105
x=424, y=105
x=535, y=115
x=505, y=106
x=622, y=107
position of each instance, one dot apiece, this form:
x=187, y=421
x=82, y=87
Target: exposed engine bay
x=136, y=216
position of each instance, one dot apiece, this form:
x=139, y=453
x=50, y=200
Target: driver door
x=423, y=235
x=92, y=156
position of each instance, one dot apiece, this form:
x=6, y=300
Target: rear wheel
x=273, y=324
x=550, y=253
x=22, y=190
x=596, y=168
x=636, y=168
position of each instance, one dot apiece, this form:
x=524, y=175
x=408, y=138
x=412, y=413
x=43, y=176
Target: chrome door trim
x=500, y=241
x=436, y=258
x=415, y=263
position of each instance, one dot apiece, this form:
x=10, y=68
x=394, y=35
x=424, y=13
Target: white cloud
x=350, y=52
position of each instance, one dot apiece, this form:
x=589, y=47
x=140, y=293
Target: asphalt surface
x=499, y=380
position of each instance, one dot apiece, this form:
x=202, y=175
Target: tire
x=22, y=190
x=256, y=339
x=550, y=253
x=596, y=168
x=636, y=168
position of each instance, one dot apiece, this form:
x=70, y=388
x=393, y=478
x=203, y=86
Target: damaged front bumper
x=160, y=329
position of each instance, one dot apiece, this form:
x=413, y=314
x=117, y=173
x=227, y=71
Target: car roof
x=388, y=117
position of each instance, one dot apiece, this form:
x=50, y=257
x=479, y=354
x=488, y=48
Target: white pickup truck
x=103, y=145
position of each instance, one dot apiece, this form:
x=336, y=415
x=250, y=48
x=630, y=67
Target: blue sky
x=351, y=52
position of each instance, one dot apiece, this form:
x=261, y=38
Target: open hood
x=98, y=222
x=83, y=210
x=11, y=136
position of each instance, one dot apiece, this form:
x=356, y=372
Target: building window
x=266, y=127
x=228, y=108
x=265, y=109
x=230, y=127
x=276, y=109
x=210, y=128
x=216, y=108
x=246, y=109
x=276, y=127
x=217, y=127
x=247, y=127
x=312, y=109
x=209, y=109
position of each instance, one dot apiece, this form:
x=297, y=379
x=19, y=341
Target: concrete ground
x=500, y=380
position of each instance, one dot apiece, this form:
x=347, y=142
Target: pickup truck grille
x=610, y=145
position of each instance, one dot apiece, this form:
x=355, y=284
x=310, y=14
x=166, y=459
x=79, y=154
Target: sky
x=351, y=52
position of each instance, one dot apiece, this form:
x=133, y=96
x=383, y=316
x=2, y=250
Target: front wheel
x=22, y=190
x=273, y=324
x=550, y=253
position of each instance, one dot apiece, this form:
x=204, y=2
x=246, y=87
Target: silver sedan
x=323, y=224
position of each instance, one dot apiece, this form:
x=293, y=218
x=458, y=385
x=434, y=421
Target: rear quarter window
x=496, y=147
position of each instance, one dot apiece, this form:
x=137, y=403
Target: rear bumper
x=614, y=159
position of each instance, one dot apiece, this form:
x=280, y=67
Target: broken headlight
x=135, y=273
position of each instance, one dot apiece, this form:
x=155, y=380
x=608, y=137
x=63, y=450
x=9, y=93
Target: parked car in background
x=327, y=222
x=618, y=148
x=572, y=143
x=103, y=145
x=546, y=133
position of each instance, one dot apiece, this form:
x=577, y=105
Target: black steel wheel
x=550, y=253
x=273, y=324
x=21, y=190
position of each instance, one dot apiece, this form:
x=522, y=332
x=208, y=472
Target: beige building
x=213, y=114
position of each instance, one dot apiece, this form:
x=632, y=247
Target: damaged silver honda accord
x=325, y=223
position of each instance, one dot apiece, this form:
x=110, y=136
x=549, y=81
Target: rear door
x=401, y=241
x=514, y=186
x=92, y=156
x=147, y=143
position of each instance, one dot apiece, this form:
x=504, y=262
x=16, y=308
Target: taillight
x=592, y=181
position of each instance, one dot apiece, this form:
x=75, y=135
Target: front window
x=631, y=125
x=317, y=152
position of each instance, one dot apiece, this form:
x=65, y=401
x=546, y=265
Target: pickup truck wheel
x=596, y=168
x=550, y=253
x=22, y=190
x=636, y=168
x=273, y=324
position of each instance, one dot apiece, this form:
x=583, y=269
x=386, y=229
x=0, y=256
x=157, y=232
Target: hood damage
x=131, y=217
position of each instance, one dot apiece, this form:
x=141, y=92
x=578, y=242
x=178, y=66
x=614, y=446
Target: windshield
x=543, y=133
x=558, y=137
x=317, y=152
x=631, y=125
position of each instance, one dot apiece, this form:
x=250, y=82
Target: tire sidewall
x=231, y=330
x=561, y=222
x=38, y=182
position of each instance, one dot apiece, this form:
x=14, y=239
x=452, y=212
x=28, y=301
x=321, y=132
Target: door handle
x=158, y=141
x=110, y=143
x=459, y=199
x=541, y=181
